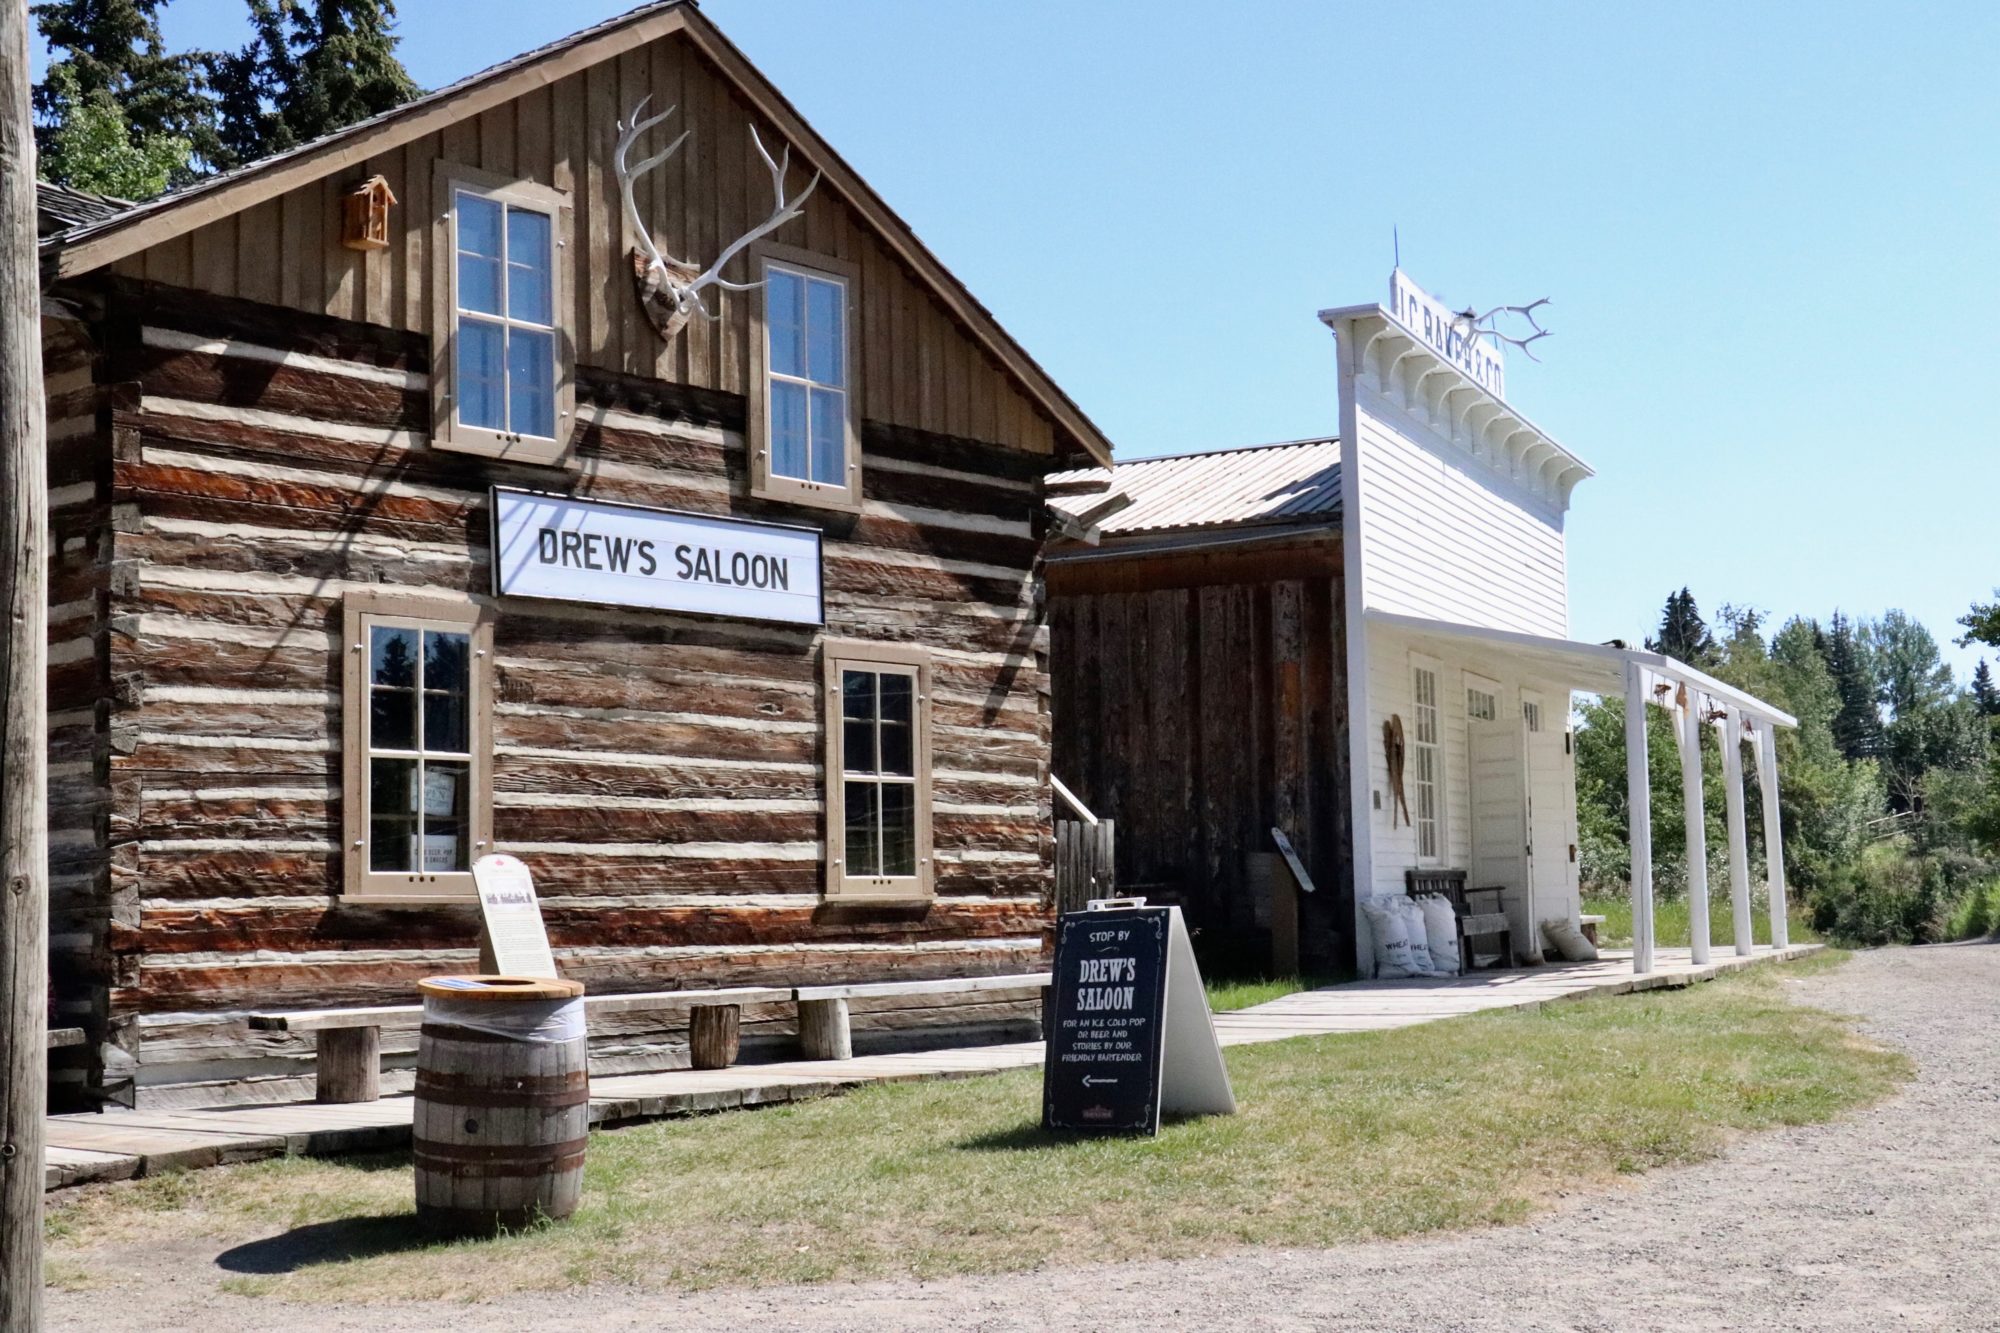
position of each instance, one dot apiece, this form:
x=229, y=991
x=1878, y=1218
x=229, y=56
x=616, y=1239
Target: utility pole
x=24, y=824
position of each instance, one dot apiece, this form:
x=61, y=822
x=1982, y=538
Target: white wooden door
x=1551, y=806
x=1498, y=764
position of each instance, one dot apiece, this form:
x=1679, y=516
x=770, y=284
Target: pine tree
x=114, y=110
x=1683, y=634
x=1857, y=727
x=312, y=67
x=1984, y=695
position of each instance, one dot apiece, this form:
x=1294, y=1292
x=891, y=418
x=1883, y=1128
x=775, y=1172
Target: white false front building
x=1457, y=639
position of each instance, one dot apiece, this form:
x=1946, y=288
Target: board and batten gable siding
x=919, y=369
x=660, y=773
x=1449, y=538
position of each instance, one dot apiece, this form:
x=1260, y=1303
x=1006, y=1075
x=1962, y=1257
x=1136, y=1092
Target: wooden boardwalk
x=119, y=1145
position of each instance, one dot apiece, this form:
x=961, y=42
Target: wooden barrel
x=503, y=1102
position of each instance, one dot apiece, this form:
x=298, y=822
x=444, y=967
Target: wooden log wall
x=80, y=700
x=1198, y=715
x=661, y=774
x=917, y=369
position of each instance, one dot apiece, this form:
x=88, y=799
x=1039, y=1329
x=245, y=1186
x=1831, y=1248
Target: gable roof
x=97, y=242
x=1296, y=482
x=61, y=208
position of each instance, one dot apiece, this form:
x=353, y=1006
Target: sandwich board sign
x=514, y=943
x=1130, y=1035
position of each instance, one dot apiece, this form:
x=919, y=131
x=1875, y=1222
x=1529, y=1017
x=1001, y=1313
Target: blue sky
x=1768, y=233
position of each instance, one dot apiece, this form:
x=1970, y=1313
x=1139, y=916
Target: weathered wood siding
x=918, y=370
x=80, y=693
x=1199, y=702
x=660, y=773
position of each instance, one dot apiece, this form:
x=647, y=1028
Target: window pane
x=446, y=841
x=447, y=710
x=784, y=313
x=478, y=254
x=899, y=828
x=788, y=430
x=864, y=847
x=529, y=292
x=898, y=749
x=823, y=333
x=392, y=719
x=829, y=436
x=393, y=651
x=392, y=824
x=531, y=382
x=481, y=382
x=857, y=712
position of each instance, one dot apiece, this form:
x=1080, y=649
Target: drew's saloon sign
x=625, y=555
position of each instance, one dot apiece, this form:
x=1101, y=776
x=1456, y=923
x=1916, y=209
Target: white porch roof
x=1596, y=668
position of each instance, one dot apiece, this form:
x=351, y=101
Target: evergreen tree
x=1683, y=634
x=312, y=67
x=1910, y=674
x=114, y=110
x=1984, y=695
x=1857, y=726
x=1982, y=624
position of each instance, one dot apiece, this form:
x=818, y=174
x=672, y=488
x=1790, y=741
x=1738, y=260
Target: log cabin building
x=442, y=486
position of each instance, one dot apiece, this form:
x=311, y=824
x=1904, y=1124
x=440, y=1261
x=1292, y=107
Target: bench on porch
x=1478, y=912
x=1589, y=924
x=349, y=1041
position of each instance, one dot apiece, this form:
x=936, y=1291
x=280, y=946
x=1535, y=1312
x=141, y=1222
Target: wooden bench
x=824, y=1032
x=1478, y=911
x=1589, y=925
x=348, y=1042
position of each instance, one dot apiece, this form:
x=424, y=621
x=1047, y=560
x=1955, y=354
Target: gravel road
x=1884, y=1220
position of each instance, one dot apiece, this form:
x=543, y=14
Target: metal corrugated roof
x=1298, y=481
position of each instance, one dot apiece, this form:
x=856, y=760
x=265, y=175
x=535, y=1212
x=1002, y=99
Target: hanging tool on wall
x=1394, y=750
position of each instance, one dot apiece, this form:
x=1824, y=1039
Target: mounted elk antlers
x=1477, y=327
x=670, y=289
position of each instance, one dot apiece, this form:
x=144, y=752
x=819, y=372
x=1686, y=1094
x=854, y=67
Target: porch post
x=1688, y=731
x=1774, y=834
x=1739, y=852
x=1639, y=802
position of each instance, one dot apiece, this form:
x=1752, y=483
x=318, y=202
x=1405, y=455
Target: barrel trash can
x=503, y=1102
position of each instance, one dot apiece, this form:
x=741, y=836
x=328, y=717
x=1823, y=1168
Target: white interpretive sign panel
x=515, y=935
x=627, y=555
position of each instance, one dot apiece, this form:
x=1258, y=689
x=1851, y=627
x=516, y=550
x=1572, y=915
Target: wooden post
x=1639, y=801
x=1739, y=850
x=823, y=1030
x=1688, y=732
x=1774, y=835
x=350, y=1065
x=24, y=825
x=714, y=1031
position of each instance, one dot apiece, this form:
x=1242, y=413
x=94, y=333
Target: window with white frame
x=805, y=430
x=1426, y=762
x=1481, y=705
x=878, y=778
x=1531, y=713
x=502, y=377
x=417, y=792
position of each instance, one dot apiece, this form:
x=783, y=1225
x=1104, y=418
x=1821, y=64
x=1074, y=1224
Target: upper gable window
x=803, y=437
x=501, y=362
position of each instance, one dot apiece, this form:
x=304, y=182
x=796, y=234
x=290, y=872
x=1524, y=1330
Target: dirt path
x=1883, y=1220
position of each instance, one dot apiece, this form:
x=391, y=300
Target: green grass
x=1463, y=1123
x=1224, y=996
x=1671, y=926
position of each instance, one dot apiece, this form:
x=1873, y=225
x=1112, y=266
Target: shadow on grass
x=1032, y=1136
x=334, y=1242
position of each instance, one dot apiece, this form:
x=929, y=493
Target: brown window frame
x=794, y=490
x=447, y=432
x=360, y=612
x=836, y=656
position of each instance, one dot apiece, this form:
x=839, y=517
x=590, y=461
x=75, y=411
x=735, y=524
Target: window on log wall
x=878, y=771
x=502, y=347
x=416, y=756
x=804, y=439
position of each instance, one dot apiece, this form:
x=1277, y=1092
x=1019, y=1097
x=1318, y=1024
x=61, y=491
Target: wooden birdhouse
x=364, y=221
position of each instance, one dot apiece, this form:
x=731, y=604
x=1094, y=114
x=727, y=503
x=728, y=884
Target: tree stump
x=823, y=1031
x=713, y=1032
x=350, y=1065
